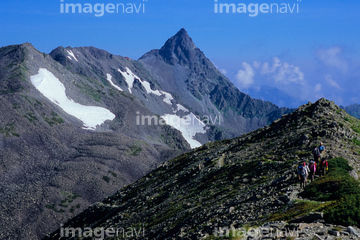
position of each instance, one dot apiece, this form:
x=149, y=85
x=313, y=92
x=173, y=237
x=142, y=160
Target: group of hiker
x=319, y=165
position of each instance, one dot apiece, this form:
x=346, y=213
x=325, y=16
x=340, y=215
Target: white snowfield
x=92, y=116
x=180, y=107
x=188, y=125
x=130, y=78
x=109, y=78
x=71, y=55
x=54, y=90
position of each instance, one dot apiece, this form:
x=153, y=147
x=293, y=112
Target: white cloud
x=267, y=69
x=288, y=74
x=282, y=73
x=223, y=71
x=331, y=82
x=317, y=87
x=275, y=74
x=256, y=64
x=333, y=74
x=331, y=57
x=245, y=76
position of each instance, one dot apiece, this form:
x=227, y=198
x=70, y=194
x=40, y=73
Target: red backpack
x=324, y=163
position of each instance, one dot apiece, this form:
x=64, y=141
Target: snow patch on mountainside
x=54, y=90
x=129, y=78
x=72, y=55
x=168, y=97
x=180, y=107
x=188, y=125
x=109, y=78
x=149, y=90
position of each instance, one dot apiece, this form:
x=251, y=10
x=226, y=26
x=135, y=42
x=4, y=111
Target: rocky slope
x=79, y=123
x=52, y=168
x=230, y=184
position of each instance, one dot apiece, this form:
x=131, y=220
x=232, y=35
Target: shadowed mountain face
x=80, y=123
x=231, y=183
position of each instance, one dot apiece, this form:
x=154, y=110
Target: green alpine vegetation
x=341, y=189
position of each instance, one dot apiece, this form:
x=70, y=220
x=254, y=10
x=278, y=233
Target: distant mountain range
x=78, y=124
x=353, y=110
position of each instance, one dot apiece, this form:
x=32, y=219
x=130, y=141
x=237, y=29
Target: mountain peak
x=182, y=33
x=179, y=49
x=27, y=45
x=318, y=109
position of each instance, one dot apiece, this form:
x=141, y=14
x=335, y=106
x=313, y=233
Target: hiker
x=303, y=171
x=317, y=152
x=324, y=166
x=321, y=148
x=312, y=167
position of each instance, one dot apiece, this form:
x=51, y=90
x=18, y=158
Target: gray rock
x=354, y=174
x=334, y=233
x=353, y=231
x=317, y=237
x=329, y=238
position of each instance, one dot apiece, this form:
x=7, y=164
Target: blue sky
x=287, y=58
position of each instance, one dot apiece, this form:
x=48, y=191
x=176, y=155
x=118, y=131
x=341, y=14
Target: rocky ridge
x=233, y=184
